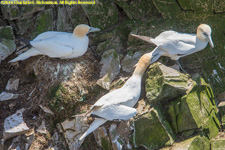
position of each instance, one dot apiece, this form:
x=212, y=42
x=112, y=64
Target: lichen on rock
x=102, y=15
x=164, y=83
x=7, y=42
x=151, y=130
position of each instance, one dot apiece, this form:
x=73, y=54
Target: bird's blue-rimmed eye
x=205, y=34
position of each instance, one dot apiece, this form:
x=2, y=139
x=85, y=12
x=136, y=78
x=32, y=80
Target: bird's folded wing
x=177, y=47
x=51, y=48
x=112, y=112
x=49, y=34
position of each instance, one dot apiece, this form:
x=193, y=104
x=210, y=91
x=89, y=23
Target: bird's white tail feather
x=94, y=125
x=31, y=52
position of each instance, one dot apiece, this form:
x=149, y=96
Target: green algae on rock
x=12, y=12
x=67, y=24
x=221, y=108
x=103, y=14
x=198, y=109
x=218, y=143
x=198, y=142
x=7, y=42
x=44, y=22
x=164, y=83
x=138, y=10
x=151, y=130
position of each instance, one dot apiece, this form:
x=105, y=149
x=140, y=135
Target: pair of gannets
x=119, y=103
x=175, y=45
x=59, y=44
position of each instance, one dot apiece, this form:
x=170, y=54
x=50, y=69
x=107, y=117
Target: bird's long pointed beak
x=210, y=41
x=92, y=29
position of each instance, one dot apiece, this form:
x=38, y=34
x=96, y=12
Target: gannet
x=59, y=44
x=175, y=45
x=117, y=105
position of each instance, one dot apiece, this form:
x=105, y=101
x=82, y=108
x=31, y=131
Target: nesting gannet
x=118, y=103
x=59, y=44
x=175, y=45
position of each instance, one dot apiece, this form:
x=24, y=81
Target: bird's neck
x=200, y=43
x=139, y=70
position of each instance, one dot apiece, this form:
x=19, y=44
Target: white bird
x=59, y=44
x=175, y=45
x=118, y=103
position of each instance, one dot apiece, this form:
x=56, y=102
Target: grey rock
x=130, y=60
x=46, y=109
x=102, y=138
x=14, y=125
x=7, y=42
x=72, y=130
x=103, y=14
x=8, y=96
x=151, y=130
x=12, y=12
x=110, y=68
x=165, y=83
x=42, y=128
x=67, y=24
x=114, y=136
x=44, y=22
x=12, y=84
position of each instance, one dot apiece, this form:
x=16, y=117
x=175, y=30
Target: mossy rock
x=106, y=144
x=219, y=6
x=103, y=14
x=198, y=110
x=152, y=131
x=6, y=32
x=23, y=25
x=7, y=42
x=44, y=22
x=218, y=143
x=198, y=142
x=164, y=83
x=72, y=20
x=138, y=10
x=171, y=111
x=197, y=6
x=221, y=108
x=12, y=12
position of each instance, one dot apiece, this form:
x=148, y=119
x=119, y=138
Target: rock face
x=197, y=142
x=130, y=61
x=68, y=23
x=198, y=107
x=218, y=143
x=103, y=15
x=194, y=112
x=110, y=68
x=152, y=131
x=7, y=42
x=175, y=111
x=72, y=130
x=164, y=83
